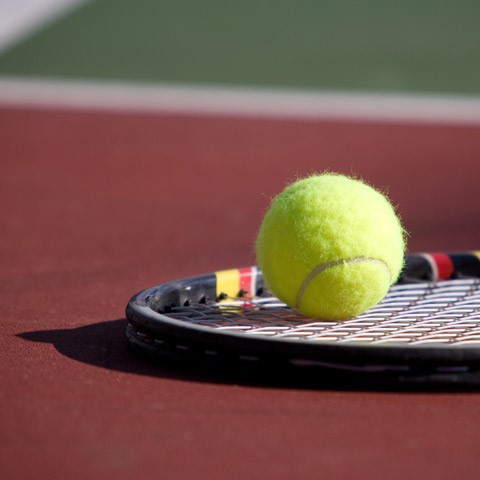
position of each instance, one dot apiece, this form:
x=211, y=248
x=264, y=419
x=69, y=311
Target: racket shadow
x=103, y=344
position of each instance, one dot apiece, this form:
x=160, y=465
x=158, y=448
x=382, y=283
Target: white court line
x=21, y=18
x=258, y=102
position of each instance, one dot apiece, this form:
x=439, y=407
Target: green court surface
x=411, y=46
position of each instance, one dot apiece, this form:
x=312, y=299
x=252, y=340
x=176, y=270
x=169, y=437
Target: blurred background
x=411, y=50
x=414, y=46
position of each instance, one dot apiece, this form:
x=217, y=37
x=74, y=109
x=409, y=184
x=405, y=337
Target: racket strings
x=446, y=313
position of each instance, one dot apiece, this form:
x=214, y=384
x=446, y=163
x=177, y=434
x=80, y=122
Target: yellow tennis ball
x=330, y=246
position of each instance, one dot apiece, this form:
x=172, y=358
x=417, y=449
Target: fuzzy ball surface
x=330, y=246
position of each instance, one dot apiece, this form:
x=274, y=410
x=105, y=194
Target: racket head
x=228, y=321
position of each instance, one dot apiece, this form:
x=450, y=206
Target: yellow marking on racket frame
x=228, y=282
x=477, y=253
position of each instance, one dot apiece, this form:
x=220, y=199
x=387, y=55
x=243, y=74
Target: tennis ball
x=330, y=246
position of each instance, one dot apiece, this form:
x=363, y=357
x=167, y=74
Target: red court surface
x=97, y=206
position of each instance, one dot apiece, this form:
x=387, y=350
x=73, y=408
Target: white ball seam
x=324, y=266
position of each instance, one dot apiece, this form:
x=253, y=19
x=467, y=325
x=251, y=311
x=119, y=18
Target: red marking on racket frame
x=247, y=280
x=444, y=264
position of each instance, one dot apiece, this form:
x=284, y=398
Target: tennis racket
x=425, y=333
